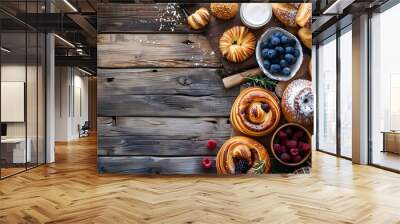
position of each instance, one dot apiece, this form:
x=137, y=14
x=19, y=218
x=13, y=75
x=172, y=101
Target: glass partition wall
x=22, y=87
x=385, y=89
x=334, y=94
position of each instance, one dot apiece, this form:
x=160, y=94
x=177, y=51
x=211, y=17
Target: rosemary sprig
x=262, y=81
x=258, y=167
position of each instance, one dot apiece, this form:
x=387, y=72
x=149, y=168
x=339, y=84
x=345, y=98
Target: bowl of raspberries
x=291, y=144
x=279, y=54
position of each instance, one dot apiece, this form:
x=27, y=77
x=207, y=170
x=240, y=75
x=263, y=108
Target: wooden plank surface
x=162, y=81
x=141, y=18
x=163, y=92
x=152, y=165
x=126, y=145
x=164, y=106
x=149, y=128
x=154, y=50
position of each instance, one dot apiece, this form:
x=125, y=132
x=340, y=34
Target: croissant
x=199, y=19
x=298, y=102
x=241, y=154
x=237, y=44
x=255, y=112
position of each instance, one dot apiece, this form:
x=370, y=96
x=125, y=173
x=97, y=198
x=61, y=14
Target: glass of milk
x=255, y=15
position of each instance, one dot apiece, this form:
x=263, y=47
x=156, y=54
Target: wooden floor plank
x=164, y=106
x=164, y=81
x=126, y=145
x=71, y=191
x=171, y=128
x=141, y=18
x=154, y=51
x=153, y=165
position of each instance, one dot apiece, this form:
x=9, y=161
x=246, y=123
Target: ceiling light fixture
x=5, y=50
x=65, y=41
x=337, y=7
x=84, y=71
x=70, y=5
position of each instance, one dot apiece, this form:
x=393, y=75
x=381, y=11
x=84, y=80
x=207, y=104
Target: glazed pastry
x=199, y=19
x=298, y=102
x=286, y=13
x=237, y=44
x=241, y=154
x=305, y=36
x=224, y=11
x=255, y=112
x=303, y=17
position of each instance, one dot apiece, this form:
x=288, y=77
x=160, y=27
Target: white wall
x=70, y=83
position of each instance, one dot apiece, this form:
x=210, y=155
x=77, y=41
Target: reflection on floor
x=71, y=191
x=387, y=159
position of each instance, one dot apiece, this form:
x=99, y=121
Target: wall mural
x=206, y=88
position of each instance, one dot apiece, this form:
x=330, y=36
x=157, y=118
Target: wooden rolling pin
x=239, y=78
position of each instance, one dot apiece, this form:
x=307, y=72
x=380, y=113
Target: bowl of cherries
x=279, y=54
x=291, y=144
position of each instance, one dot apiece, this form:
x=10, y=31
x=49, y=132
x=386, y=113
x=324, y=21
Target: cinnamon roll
x=298, y=102
x=240, y=155
x=255, y=112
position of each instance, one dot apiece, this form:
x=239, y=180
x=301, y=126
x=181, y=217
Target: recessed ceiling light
x=64, y=40
x=5, y=50
x=70, y=5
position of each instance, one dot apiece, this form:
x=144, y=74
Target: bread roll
x=303, y=16
x=224, y=11
x=240, y=155
x=199, y=19
x=286, y=13
x=305, y=36
x=255, y=112
x=237, y=44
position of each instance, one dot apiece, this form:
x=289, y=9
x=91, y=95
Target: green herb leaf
x=262, y=81
x=258, y=167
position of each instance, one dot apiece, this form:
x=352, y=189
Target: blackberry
x=241, y=166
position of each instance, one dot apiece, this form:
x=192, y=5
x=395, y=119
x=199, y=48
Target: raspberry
x=211, y=144
x=207, y=163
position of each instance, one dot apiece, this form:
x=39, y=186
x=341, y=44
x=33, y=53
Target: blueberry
x=289, y=50
x=279, y=50
x=275, y=68
x=264, y=44
x=284, y=39
x=290, y=58
x=266, y=64
x=292, y=42
x=286, y=71
x=264, y=52
x=278, y=34
x=296, y=53
x=275, y=41
x=271, y=53
x=283, y=63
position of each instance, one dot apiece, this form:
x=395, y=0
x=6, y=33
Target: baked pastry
x=305, y=36
x=199, y=19
x=241, y=154
x=286, y=13
x=298, y=102
x=255, y=112
x=237, y=44
x=224, y=11
x=303, y=16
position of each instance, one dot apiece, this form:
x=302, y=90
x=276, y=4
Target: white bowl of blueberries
x=279, y=54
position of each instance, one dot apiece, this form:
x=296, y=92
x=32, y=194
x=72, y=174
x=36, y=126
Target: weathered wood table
x=160, y=94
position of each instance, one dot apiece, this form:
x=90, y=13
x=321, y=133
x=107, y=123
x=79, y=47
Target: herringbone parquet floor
x=70, y=191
